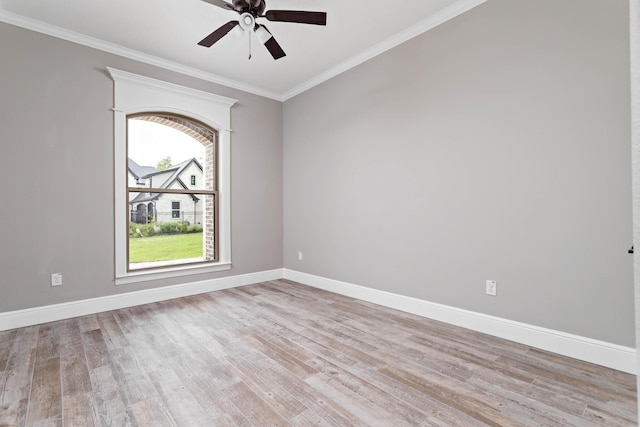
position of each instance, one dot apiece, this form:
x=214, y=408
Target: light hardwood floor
x=279, y=353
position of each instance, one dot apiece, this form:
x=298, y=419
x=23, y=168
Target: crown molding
x=81, y=39
x=415, y=30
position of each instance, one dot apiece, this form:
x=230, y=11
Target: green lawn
x=165, y=247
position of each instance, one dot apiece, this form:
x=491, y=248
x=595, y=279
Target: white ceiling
x=166, y=33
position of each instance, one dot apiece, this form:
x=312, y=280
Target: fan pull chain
x=249, y=44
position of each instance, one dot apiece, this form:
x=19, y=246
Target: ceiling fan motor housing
x=254, y=7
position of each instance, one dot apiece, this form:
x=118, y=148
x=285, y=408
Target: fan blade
x=218, y=34
x=270, y=43
x=299, y=16
x=220, y=3
x=274, y=48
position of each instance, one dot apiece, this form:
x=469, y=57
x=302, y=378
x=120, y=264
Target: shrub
x=171, y=227
x=141, y=230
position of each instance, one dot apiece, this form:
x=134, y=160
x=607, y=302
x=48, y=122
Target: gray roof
x=177, y=170
x=140, y=171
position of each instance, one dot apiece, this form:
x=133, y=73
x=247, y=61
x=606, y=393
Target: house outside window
x=203, y=209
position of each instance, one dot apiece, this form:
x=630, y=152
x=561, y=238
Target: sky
x=151, y=142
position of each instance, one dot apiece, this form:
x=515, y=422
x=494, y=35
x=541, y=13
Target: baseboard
x=51, y=313
x=599, y=352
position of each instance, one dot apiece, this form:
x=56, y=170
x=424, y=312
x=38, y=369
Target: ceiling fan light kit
x=262, y=34
x=247, y=21
x=249, y=11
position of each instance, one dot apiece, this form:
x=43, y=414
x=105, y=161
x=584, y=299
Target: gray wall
x=56, y=174
x=496, y=146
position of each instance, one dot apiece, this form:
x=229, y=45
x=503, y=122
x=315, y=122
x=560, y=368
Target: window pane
x=169, y=157
x=161, y=156
x=158, y=239
x=175, y=210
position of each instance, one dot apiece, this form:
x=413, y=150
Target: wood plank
x=282, y=357
x=152, y=412
x=220, y=408
x=197, y=363
x=451, y=394
x=369, y=390
x=341, y=348
x=95, y=349
x=56, y=421
x=392, y=347
x=517, y=391
x=611, y=377
x=599, y=401
x=69, y=333
x=15, y=383
x=128, y=371
x=25, y=339
x=276, y=394
x=367, y=412
x=7, y=337
x=111, y=332
x=48, y=342
x=613, y=417
x=179, y=401
x=45, y=400
x=436, y=412
x=88, y=323
x=310, y=418
x=4, y=360
x=108, y=403
x=476, y=358
x=75, y=373
x=527, y=403
x=308, y=339
x=547, y=376
x=13, y=413
x=256, y=410
x=79, y=410
x=583, y=375
x=321, y=405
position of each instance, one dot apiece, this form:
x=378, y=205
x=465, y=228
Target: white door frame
x=634, y=13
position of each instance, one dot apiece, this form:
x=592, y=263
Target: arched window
x=167, y=152
x=186, y=134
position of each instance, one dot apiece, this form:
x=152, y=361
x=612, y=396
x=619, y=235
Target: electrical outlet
x=299, y=256
x=56, y=279
x=492, y=288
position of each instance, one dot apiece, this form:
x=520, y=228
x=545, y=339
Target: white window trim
x=138, y=94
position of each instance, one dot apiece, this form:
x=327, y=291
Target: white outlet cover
x=56, y=279
x=491, y=288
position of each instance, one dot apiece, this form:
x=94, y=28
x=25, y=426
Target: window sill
x=169, y=272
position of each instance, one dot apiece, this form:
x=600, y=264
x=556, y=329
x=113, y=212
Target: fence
x=143, y=217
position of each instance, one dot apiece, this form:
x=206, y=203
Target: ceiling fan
x=249, y=11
